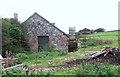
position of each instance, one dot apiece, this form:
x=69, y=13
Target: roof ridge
x=45, y=20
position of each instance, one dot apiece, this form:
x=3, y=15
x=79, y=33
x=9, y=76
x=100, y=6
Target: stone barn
x=40, y=32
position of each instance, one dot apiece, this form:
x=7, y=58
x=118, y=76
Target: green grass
x=89, y=69
x=41, y=58
x=107, y=33
x=99, y=47
x=58, y=58
x=46, y=59
x=110, y=36
x=86, y=69
x=113, y=35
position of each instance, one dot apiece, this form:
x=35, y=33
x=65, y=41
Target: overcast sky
x=81, y=14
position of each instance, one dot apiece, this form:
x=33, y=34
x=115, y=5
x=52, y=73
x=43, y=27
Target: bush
x=13, y=37
x=99, y=30
x=21, y=56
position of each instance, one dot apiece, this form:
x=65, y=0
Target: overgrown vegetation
x=40, y=57
x=51, y=57
x=88, y=69
x=13, y=37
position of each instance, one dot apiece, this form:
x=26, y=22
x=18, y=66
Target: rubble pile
x=105, y=55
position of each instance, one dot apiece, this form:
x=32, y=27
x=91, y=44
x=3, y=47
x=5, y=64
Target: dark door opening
x=42, y=42
x=72, y=45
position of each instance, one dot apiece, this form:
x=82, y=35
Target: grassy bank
x=111, y=35
x=110, y=38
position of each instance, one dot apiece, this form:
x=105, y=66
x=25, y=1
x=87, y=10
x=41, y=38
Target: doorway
x=42, y=42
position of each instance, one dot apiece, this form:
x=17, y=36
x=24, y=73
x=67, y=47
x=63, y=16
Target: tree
x=13, y=37
x=99, y=30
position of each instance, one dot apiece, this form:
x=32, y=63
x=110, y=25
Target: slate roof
x=46, y=21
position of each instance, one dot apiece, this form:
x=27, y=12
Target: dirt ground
x=110, y=58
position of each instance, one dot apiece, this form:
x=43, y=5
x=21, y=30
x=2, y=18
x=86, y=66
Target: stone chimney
x=53, y=23
x=16, y=16
x=72, y=32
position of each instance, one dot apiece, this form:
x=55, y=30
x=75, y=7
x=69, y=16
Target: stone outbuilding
x=40, y=32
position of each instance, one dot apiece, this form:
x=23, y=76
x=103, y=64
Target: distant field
x=111, y=35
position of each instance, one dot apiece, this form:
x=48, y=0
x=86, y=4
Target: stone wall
x=38, y=26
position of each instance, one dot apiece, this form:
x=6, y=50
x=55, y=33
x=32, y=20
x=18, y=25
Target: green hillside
x=111, y=35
